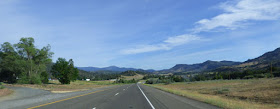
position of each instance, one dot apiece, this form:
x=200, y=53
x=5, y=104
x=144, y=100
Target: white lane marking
x=116, y=94
x=146, y=97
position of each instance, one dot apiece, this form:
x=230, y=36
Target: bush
x=35, y=79
x=248, y=77
x=151, y=81
x=259, y=75
x=268, y=75
x=45, y=77
x=221, y=91
x=2, y=87
x=166, y=82
x=23, y=79
x=276, y=74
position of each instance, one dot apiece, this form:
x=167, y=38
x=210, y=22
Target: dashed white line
x=146, y=97
x=116, y=94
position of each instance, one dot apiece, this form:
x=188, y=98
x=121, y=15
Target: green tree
x=45, y=77
x=23, y=62
x=27, y=51
x=65, y=71
x=36, y=60
x=10, y=63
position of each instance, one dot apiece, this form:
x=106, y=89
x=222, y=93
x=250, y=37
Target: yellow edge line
x=67, y=99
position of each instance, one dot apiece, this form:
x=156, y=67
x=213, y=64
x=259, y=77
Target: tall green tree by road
x=11, y=64
x=65, y=71
x=24, y=62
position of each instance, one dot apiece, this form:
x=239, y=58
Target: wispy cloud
x=236, y=14
x=181, y=39
x=167, y=44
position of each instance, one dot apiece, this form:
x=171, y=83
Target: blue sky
x=148, y=34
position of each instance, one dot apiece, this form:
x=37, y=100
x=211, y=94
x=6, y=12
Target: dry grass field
x=56, y=87
x=231, y=94
x=136, y=77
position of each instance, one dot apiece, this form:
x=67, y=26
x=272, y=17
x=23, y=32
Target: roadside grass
x=56, y=87
x=230, y=94
x=136, y=77
x=4, y=91
x=1, y=86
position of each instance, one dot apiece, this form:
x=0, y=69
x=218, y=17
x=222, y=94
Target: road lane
x=164, y=100
x=84, y=102
x=129, y=97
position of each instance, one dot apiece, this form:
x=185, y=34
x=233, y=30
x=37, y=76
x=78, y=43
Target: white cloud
x=146, y=48
x=167, y=44
x=181, y=39
x=236, y=14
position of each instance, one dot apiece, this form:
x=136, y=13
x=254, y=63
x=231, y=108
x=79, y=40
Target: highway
x=132, y=96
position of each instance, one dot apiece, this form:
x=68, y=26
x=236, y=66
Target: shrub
x=259, y=75
x=35, y=79
x=268, y=75
x=2, y=87
x=248, y=77
x=45, y=77
x=23, y=79
x=167, y=82
x=221, y=91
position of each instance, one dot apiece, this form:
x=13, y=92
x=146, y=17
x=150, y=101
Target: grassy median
x=230, y=94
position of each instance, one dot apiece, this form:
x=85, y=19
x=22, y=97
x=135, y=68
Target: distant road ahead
x=133, y=96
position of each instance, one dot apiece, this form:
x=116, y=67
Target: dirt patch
x=5, y=92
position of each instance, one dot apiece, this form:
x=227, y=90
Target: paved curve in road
x=132, y=96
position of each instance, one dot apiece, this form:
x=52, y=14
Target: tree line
x=100, y=75
x=166, y=79
x=269, y=72
x=24, y=63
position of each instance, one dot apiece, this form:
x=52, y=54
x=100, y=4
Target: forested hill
x=200, y=67
x=263, y=61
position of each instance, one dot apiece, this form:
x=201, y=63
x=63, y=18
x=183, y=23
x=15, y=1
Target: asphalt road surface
x=132, y=96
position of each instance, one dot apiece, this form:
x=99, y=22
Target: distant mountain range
x=112, y=68
x=262, y=62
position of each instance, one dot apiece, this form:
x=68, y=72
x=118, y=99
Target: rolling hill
x=200, y=67
x=262, y=62
x=272, y=57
